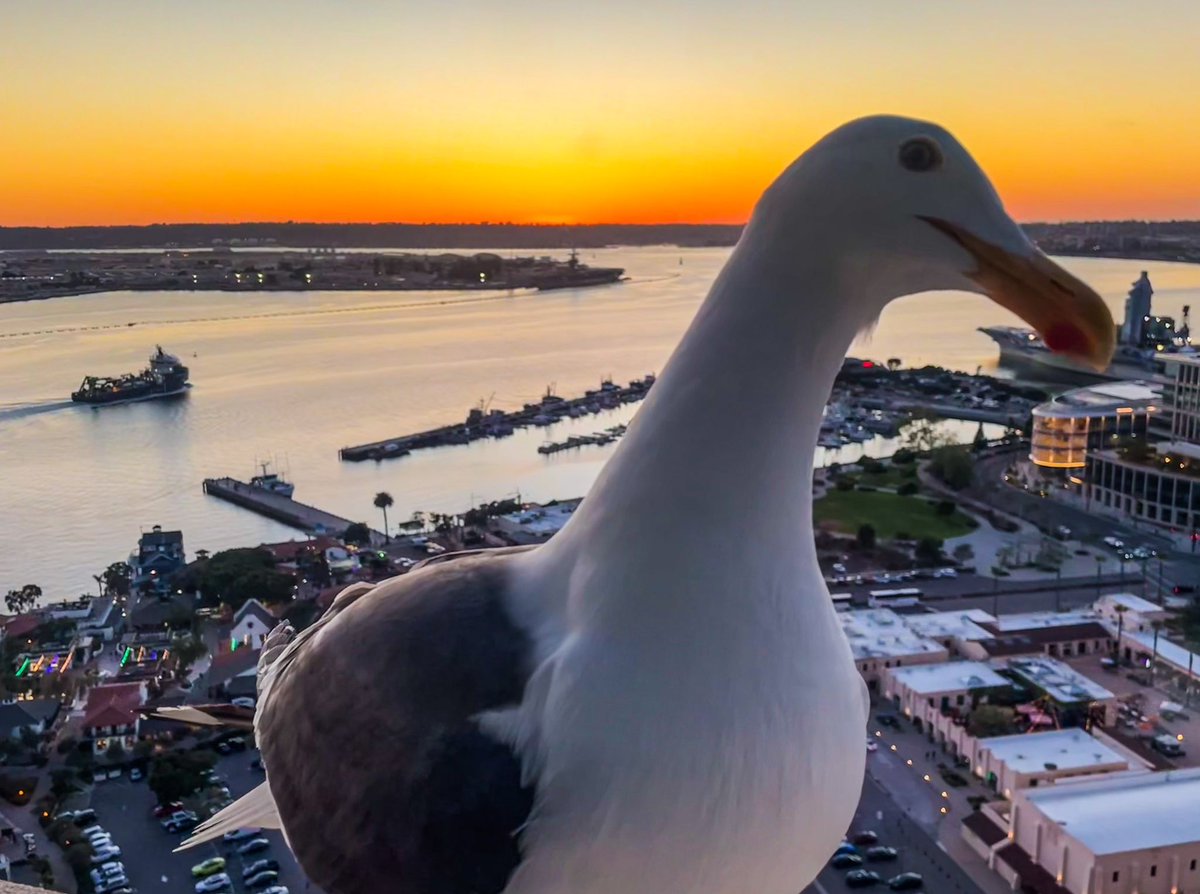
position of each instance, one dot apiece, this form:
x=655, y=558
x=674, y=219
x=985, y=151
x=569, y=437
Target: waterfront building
x=879, y=640
x=1158, y=483
x=1121, y=833
x=924, y=692
x=159, y=555
x=1077, y=422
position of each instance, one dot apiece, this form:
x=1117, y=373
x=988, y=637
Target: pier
x=481, y=423
x=281, y=509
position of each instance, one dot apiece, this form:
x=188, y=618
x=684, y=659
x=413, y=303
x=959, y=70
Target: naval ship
x=163, y=377
x=1143, y=343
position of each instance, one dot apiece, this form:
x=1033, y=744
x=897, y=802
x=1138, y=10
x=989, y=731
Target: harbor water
x=293, y=377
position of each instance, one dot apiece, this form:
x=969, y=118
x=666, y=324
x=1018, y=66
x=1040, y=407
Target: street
x=125, y=810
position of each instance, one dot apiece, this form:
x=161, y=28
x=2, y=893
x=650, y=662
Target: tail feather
x=229, y=716
x=253, y=810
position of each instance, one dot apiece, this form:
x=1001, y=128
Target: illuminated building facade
x=1078, y=422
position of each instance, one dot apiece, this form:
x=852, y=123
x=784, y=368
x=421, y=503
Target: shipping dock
x=281, y=508
x=483, y=423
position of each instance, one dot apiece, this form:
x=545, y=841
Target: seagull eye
x=920, y=155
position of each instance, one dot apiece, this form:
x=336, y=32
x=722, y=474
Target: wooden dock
x=282, y=509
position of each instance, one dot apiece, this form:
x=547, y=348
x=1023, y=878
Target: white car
x=241, y=834
x=243, y=702
x=105, y=853
x=871, y=746
x=217, y=882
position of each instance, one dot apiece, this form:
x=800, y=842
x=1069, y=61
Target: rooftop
x=1131, y=602
x=1041, y=620
x=1064, y=749
x=1116, y=814
x=113, y=704
x=954, y=676
x=960, y=624
x=1103, y=399
x=881, y=633
x=1180, y=657
x=1060, y=681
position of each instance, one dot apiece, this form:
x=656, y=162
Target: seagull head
x=904, y=208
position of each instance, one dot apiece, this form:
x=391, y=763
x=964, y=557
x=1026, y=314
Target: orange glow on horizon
x=564, y=113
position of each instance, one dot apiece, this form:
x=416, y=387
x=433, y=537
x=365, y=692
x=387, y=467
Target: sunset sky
x=549, y=111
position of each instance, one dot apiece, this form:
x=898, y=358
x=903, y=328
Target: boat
x=164, y=377
x=577, y=274
x=272, y=482
x=1144, y=342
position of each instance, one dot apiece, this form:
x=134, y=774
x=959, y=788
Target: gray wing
x=380, y=775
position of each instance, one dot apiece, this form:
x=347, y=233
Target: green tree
x=981, y=441
x=22, y=600
x=954, y=466
x=866, y=537
x=928, y=551
x=922, y=435
x=357, y=533
x=177, y=774
x=383, y=500
x=234, y=575
x=990, y=720
x=187, y=649
x=115, y=579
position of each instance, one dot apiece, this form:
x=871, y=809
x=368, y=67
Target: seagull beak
x=1069, y=316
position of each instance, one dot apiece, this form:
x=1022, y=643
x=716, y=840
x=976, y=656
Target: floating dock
x=481, y=424
x=281, y=509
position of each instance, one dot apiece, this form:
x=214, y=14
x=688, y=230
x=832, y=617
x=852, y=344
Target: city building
x=1072, y=696
x=1131, y=612
x=1041, y=633
x=159, y=555
x=1077, y=422
x=110, y=716
x=535, y=524
x=953, y=629
x=251, y=624
x=1118, y=834
x=924, y=692
x=1157, y=483
x=879, y=639
x=1027, y=760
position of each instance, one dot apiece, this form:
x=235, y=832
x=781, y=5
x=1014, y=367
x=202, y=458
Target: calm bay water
x=295, y=376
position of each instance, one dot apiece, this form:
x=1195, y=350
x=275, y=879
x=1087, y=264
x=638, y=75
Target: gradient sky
x=556, y=111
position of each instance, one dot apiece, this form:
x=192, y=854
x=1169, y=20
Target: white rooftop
x=881, y=633
x=1105, y=398
x=1060, y=681
x=960, y=624
x=954, y=676
x=1042, y=620
x=542, y=520
x=1065, y=749
x=1131, y=602
x=1121, y=813
x=1182, y=659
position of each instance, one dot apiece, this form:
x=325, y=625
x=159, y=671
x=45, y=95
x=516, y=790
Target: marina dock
x=280, y=508
x=481, y=423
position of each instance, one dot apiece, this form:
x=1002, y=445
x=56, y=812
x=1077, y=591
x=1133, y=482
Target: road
x=918, y=851
x=124, y=809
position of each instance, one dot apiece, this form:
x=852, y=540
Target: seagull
x=659, y=699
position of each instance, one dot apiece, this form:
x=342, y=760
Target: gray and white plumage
x=660, y=699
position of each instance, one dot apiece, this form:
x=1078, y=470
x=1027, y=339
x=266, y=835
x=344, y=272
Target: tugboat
x=165, y=376
x=272, y=482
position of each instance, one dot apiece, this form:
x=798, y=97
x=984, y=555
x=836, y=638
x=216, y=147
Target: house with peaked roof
x=36, y=715
x=251, y=624
x=111, y=716
x=159, y=555
x=226, y=668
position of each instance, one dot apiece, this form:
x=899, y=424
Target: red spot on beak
x=1066, y=338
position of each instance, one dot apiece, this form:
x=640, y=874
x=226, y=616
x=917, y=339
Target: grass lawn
x=891, y=476
x=889, y=514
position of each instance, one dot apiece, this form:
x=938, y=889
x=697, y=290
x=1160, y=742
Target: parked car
x=211, y=866
x=866, y=836
x=862, y=878
x=136, y=774
x=262, y=880
x=275, y=889
x=180, y=821
x=258, y=866
x=253, y=846
x=83, y=817
x=218, y=882
x=846, y=861
x=1168, y=745
x=871, y=746
x=90, y=830
x=906, y=881
x=881, y=853
x=846, y=848
x=241, y=834
x=1062, y=532
x=105, y=853
x=1114, y=542
x=164, y=810
x=113, y=885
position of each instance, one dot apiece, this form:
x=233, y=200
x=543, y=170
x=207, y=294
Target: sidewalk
x=906, y=766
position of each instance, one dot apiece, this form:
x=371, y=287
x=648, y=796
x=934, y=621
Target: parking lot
x=125, y=810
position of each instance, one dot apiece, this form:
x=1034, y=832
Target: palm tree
x=1157, y=625
x=382, y=501
x=1120, y=610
